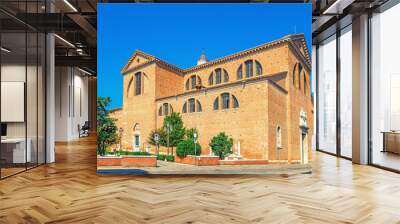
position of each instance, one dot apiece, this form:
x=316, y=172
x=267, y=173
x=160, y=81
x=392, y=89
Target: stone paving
x=164, y=167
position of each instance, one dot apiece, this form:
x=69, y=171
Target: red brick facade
x=273, y=98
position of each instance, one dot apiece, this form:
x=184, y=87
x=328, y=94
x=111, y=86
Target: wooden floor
x=70, y=191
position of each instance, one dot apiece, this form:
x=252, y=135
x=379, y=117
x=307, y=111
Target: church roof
x=286, y=39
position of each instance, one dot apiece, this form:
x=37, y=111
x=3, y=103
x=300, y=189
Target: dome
x=202, y=59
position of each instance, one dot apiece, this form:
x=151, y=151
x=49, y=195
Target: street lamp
x=157, y=139
x=120, y=130
x=195, y=141
x=169, y=129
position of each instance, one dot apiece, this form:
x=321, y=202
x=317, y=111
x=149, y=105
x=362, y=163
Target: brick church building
x=260, y=97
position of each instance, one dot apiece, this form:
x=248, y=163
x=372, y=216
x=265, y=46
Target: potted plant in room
x=107, y=134
x=221, y=145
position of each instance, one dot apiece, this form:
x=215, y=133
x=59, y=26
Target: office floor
x=387, y=159
x=70, y=191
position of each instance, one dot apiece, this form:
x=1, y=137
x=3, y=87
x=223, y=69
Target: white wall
x=71, y=102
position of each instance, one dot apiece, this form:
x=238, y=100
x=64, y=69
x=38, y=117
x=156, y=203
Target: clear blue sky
x=177, y=33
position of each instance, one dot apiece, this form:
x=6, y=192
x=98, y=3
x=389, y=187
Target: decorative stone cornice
x=286, y=39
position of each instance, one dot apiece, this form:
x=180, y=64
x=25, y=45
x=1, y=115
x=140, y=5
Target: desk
x=391, y=141
x=18, y=153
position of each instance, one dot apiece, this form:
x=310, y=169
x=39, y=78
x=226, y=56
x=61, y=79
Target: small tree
x=187, y=147
x=221, y=145
x=177, y=132
x=106, y=129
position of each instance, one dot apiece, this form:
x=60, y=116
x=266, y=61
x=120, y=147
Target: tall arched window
x=226, y=76
x=187, y=84
x=305, y=82
x=216, y=103
x=218, y=76
x=294, y=75
x=211, y=79
x=138, y=83
x=278, y=137
x=198, y=106
x=299, y=74
x=235, y=102
x=129, y=87
x=258, y=68
x=239, y=73
x=184, y=108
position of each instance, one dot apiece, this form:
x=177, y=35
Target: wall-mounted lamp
x=64, y=40
x=5, y=50
x=70, y=5
x=84, y=71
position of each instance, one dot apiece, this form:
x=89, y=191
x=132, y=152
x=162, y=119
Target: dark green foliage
x=187, y=147
x=177, y=130
x=221, y=145
x=106, y=129
x=170, y=158
x=161, y=157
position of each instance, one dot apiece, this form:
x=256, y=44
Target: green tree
x=176, y=131
x=161, y=140
x=188, y=147
x=190, y=133
x=221, y=145
x=107, y=133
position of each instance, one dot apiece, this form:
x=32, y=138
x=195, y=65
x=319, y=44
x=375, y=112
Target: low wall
x=198, y=160
x=244, y=162
x=127, y=161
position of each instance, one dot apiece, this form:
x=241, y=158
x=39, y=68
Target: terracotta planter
x=127, y=161
x=244, y=162
x=198, y=160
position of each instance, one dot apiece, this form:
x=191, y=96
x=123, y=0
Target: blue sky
x=177, y=33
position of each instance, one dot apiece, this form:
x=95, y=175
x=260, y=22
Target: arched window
x=249, y=68
x=258, y=68
x=165, y=109
x=216, y=103
x=198, y=106
x=184, y=108
x=138, y=83
x=239, y=73
x=160, y=111
x=225, y=100
x=226, y=76
x=299, y=75
x=191, y=106
x=278, y=137
x=193, y=82
x=218, y=76
x=211, y=79
x=294, y=75
x=129, y=87
x=187, y=84
x=235, y=102
x=305, y=82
